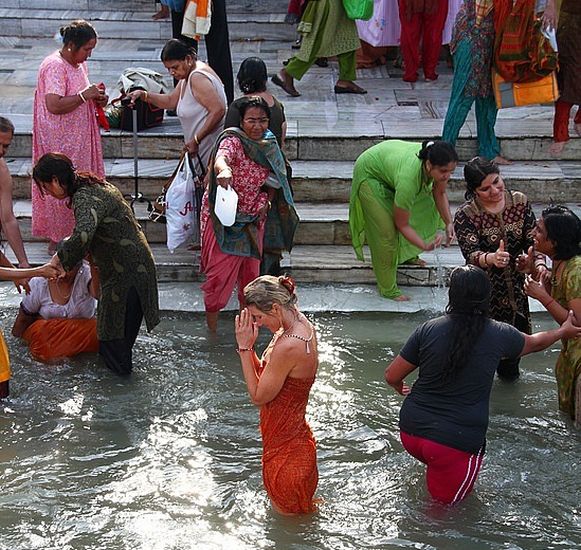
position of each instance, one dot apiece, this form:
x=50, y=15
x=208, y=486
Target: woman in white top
x=199, y=98
x=57, y=317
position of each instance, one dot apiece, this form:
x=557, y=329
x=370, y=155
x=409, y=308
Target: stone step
x=166, y=141
x=136, y=25
x=147, y=6
x=320, y=225
x=308, y=264
x=330, y=181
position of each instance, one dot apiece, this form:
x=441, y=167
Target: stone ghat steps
x=320, y=225
x=308, y=264
x=330, y=181
x=137, y=25
x=146, y=6
x=166, y=141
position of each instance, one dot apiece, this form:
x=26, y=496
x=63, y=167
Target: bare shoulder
x=5, y=177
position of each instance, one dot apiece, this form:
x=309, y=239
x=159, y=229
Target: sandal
x=351, y=89
x=290, y=90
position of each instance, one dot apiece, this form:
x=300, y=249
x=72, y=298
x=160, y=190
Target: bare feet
x=163, y=13
x=286, y=82
x=402, y=298
x=501, y=161
x=212, y=320
x=416, y=261
x=556, y=148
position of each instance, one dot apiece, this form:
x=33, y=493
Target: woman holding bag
x=198, y=99
x=248, y=159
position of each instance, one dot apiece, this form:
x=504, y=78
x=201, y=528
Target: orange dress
x=289, y=457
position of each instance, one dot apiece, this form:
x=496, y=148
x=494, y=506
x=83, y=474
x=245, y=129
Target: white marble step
x=136, y=25
x=330, y=181
x=320, y=224
x=308, y=264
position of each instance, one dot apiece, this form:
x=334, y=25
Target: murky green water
x=170, y=459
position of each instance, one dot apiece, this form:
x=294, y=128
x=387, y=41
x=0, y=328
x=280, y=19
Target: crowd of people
x=398, y=206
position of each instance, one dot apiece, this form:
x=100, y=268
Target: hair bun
x=288, y=283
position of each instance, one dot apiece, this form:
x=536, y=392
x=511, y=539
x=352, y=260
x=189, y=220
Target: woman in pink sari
x=64, y=121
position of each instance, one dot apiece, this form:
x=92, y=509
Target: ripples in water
x=170, y=458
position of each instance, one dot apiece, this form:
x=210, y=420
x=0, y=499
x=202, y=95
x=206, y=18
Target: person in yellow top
x=398, y=202
x=9, y=273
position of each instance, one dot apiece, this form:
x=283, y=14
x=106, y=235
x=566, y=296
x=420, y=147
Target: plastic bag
x=180, y=211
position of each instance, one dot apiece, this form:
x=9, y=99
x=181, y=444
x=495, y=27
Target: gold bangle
x=196, y=139
x=238, y=350
x=146, y=96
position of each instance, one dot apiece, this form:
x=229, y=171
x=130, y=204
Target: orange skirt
x=51, y=339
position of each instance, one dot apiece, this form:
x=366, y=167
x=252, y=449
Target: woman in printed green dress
x=558, y=234
x=106, y=228
x=398, y=202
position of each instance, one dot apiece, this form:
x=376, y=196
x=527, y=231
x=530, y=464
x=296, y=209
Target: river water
x=170, y=458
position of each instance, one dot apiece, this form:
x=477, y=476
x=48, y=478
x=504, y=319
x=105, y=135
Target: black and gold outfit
x=478, y=232
x=106, y=227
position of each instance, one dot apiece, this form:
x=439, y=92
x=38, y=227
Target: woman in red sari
x=279, y=383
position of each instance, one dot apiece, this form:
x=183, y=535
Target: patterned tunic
x=106, y=227
x=479, y=231
x=568, y=369
x=75, y=134
x=248, y=177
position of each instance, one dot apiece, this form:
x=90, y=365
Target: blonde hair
x=265, y=291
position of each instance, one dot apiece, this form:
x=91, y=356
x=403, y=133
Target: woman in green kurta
x=398, y=201
x=558, y=234
x=327, y=32
x=106, y=228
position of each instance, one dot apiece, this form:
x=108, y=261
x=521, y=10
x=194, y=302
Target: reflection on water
x=170, y=459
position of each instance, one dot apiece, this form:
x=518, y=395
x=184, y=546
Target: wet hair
x=252, y=76
x=468, y=305
x=253, y=101
x=6, y=125
x=564, y=229
x=78, y=33
x=265, y=291
x=59, y=166
x=439, y=153
x=475, y=172
x=176, y=50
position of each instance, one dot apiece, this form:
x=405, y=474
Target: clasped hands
x=246, y=330
x=96, y=92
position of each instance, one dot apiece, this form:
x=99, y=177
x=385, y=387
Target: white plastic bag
x=179, y=208
x=226, y=204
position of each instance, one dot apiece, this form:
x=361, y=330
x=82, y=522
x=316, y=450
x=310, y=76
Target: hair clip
x=288, y=283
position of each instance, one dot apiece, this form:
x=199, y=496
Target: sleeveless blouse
x=193, y=115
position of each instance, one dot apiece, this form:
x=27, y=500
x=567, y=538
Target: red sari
x=289, y=458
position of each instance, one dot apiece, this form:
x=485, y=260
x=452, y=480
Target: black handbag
x=148, y=116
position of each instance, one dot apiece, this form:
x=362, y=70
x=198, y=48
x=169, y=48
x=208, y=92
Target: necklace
x=63, y=296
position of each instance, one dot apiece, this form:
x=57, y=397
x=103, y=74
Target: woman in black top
x=444, y=417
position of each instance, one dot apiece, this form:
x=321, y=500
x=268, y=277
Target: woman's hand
x=135, y=95
x=568, y=328
x=50, y=271
x=22, y=284
x=525, y=263
x=246, y=330
x=500, y=258
x=450, y=235
x=191, y=147
x=434, y=244
x=264, y=211
x=224, y=177
x=536, y=289
x=93, y=92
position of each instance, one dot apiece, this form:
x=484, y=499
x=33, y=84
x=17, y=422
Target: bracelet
x=549, y=303
x=146, y=96
x=542, y=264
x=238, y=350
x=486, y=258
x=80, y=94
x=196, y=139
